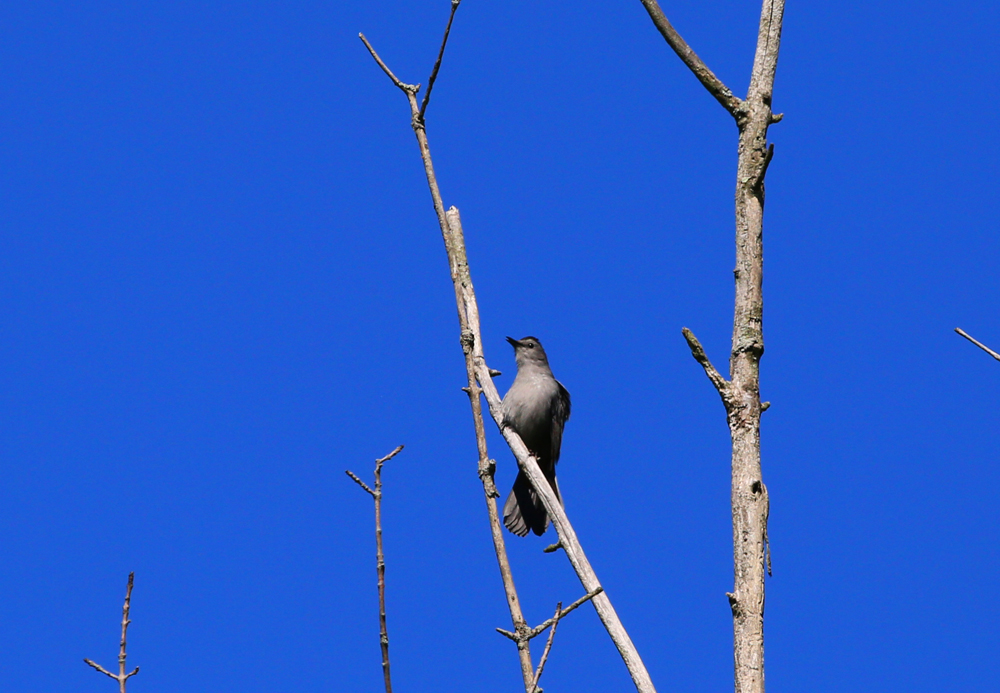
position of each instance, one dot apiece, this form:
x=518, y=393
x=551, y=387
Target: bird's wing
x=560, y=414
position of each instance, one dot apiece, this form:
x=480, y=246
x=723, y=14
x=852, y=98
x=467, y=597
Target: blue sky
x=222, y=284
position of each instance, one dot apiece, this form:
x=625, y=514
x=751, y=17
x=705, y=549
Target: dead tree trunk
x=741, y=393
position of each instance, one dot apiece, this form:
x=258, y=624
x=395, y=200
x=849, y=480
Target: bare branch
x=544, y=625
x=437, y=63
x=721, y=384
x=380, y=560
x=978, y=344
x=540, y=628
x=121, y=677
x=380, y=462
x=358, y=481
x=469, y=315
x=101, y=669
x=508, y=634
x=408, y=88
x=477, y=370
x=548, y=648
x=468, y=318
x=453, y=238
x=715, y=87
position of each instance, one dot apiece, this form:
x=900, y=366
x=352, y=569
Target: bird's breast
x=527, y=406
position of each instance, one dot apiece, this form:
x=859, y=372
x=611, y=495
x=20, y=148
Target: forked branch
x=376, y=494
x=541, y=627
x=121, y=677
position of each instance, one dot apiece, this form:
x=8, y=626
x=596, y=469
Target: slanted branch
x=479, y=377
x=548, y=648
x=978, y=343
x=716, y=88
x=544, y=625
x=121, y=677
x=723, y=386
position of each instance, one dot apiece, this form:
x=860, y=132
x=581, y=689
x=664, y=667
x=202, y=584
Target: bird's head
x=528, y=352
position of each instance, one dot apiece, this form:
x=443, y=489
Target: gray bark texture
x=741, y=393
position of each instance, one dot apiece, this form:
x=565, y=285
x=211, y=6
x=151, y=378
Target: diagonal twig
x=541, y=627
x=121, y=677
x=358, y=481
x=978, y=343
x=716, y=88
x=380, y=560
x=721, y=384
x=408, y=88
x=437, y=63
x=548, y=648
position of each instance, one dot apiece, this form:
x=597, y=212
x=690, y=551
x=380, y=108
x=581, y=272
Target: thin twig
x=385, y=68
x=715, y=87
x=552, y=548
x=121, y=677
x=978, y=344
x=437, y=63
x=721, y=384
x=540, y=628
x=380, y=462
x=548, y=648
x=358, y=481
x=380, y=560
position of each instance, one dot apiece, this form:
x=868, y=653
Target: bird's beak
x=513, y=342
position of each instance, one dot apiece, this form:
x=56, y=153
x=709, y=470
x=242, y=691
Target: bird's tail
x=524, y=510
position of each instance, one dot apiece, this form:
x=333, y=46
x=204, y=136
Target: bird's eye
x=531, y=345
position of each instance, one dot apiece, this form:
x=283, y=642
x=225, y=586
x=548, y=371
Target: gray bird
x=536, y=406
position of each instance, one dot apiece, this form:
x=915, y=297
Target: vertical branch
x=380, y=559
x=741, y=393
x=121, y=677
x=749, y=497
